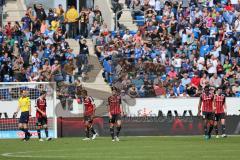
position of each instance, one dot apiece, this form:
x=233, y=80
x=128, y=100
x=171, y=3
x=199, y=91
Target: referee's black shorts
x=24, y=118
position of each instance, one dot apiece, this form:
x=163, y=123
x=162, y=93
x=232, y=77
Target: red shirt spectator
x=172, y=73
x=8, y=29
x=195, y=81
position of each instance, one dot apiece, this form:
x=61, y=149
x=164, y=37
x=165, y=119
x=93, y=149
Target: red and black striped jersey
x=219, y=103
x=114, y=103
x=42, y=105
x=89, y=106
x=207, y=102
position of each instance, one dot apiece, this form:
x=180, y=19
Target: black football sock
x=46, y=132
x=87, y=132
x=210, y=130
x=118, y=130
x=216, y=129
x=223, y=129
x=39, y=133
x=26, y=133
x=112, y=132
x=92, y=130
x=205, y=129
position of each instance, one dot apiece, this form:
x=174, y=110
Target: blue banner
x=20, y=134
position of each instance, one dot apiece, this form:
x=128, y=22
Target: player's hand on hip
x=44, y=114
x=110, y=116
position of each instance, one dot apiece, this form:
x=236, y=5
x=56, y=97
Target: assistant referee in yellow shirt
x=24, y=104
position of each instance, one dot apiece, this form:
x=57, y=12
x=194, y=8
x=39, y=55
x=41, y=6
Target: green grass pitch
x=129, y=148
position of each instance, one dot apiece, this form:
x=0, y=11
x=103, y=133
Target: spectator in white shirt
x=177, y=63
x=212, y=65
x=215, y=81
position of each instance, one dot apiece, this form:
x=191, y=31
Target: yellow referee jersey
x=24, y=103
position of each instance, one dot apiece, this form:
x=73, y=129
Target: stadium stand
x=179, y=49
x=176, y=51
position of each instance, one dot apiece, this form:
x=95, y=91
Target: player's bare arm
x=225, y=106
x=214, y=104
x=199, y=106
x=121, y=110
x=109, y=112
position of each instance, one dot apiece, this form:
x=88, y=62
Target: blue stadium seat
x=5, y=94
x=158, y=18
x=140, y=20
x=132, y=32
x=237, y=94
x=113, y=33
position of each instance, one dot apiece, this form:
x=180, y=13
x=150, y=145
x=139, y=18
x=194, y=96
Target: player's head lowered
x=24, y=93
x=43, y=94
x=84, y=93
x=219, y=90
x=114, y=91
x=206, y=89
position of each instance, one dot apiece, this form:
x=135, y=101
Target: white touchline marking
x=14, y=154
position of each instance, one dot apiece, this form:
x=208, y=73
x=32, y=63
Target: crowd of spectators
x=35, y=49
x=181, y=47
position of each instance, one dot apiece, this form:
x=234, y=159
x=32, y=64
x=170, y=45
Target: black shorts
x=41, y=121
x=219, y=116
x=88, y=119
x=115, y=118
x=208, y=115
x=24, y=118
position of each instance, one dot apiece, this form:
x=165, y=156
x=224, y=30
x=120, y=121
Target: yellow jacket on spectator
x=54, y=25
x=72, y=15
